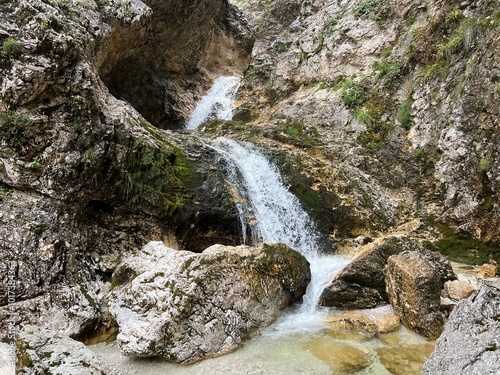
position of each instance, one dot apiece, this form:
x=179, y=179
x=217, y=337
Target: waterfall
x=217, y=103
x=268, y=211
x=279, y=217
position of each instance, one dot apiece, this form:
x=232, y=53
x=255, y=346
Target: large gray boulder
x=414, y=290
x=185, y=306
x=470, y=342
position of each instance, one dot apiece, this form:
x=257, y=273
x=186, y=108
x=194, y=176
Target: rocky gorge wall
x=387, y=110
x=85, y=172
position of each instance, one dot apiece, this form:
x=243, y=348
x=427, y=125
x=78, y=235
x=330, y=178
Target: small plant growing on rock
x=485, y=164
x=404, y=114
x=375, y=10
x=36, y=163
x=352, y=93
x=12, y=48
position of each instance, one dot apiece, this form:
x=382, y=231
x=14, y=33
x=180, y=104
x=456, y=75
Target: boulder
x=185, y=306
x=486, y=270
x=361, y=284
x=457, y=290
x=471, y=339
x=388, y=323
x=49, y=352
x=352, y=322
x=413, y=287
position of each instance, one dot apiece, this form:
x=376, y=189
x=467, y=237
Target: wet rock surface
x=185, y=306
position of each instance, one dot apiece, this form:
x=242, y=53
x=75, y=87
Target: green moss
x=156, y=178
x=463, y=248
x=12, y=48
x=485, y=164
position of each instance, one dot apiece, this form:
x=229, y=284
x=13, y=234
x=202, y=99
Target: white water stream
x=279, y=217
x=217, y=103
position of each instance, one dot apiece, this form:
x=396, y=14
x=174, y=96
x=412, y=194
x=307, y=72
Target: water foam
x=217, y=103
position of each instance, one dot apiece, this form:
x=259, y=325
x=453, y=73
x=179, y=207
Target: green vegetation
x=485, y=164
x=330, y=27
x=12, y=48
x=363, y=116
x=417, y=154
x=353, y=93
x=375, y=10
x=5, y=190
x=36, y=163
x=17, y=129
x=463, y=248
x=404, y=114
x=40, y=228
x=156, y=177
x=301, y=136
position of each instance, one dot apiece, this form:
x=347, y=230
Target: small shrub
x=330, y=27
x=375, y=10
x=404, y=114
x=352, y=93
x=12, y=47
x=418, y=153
x=36, y=163
x=5, y=190
x=363, y=116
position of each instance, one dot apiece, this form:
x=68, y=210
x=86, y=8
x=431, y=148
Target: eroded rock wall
x=84, y=175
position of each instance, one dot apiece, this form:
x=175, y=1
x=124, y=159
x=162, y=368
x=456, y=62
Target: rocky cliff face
x=85, y=171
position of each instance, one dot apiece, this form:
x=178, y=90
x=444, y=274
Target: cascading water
x=267, y=209
x=217, y=103
x=279, y=217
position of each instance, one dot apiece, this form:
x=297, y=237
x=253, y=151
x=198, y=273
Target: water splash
x=217, y=103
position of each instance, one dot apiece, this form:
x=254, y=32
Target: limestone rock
x=185, y=306
x=361, y=284
x=470, y=341
x=352, y=322
x=48, y=352
x=486, y=271
x=342, y=358
x=457, y=290
x=413, y=287
x=388, y=323
x=405, y=359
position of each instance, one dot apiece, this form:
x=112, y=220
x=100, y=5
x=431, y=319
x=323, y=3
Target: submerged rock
x=414, y=287
x=48, y=352
x=185, y=306
x=471, y=339
x=352, y=322
x=342, y=358
x=405, y=359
